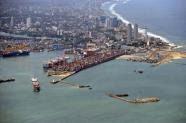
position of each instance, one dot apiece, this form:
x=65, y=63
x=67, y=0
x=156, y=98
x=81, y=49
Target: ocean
x=61, y=103
x=165, y=18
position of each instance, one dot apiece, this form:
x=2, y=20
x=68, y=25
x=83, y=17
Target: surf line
x=150, y=34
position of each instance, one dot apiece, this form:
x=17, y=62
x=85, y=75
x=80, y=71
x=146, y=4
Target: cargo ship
x=15, y=53
x=61, y=65
x=13, y=50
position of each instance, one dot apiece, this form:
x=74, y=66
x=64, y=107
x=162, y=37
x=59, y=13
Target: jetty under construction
x=135, y=101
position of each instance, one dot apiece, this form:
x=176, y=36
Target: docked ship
x=15, y=53
x=16, y=50
x=35, y=85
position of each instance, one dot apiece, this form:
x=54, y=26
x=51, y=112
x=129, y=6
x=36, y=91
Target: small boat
x=54, y=81
x=84, y=86
x=122, y=95
x=35, y=85
x=140, y=71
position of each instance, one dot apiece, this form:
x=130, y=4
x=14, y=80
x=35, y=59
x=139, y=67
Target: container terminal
x=61, y=66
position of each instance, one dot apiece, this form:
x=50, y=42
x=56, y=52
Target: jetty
x=135, y=101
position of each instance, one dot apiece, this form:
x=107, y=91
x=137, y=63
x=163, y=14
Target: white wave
x=150, y=34
x=111, y=9
x=103, y=4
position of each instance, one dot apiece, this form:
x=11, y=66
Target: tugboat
x=54, y=81
x=36, y=85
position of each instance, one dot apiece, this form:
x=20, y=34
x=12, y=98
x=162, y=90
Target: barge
x=7, y=80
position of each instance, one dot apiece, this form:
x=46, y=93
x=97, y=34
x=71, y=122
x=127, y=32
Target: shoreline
x=112, y=11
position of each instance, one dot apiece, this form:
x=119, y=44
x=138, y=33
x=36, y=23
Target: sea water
x=62, y=103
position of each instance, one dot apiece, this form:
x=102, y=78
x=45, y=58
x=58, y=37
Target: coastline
x=112, y=11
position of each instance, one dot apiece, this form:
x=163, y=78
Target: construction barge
x=7, y=80
x=60, y=65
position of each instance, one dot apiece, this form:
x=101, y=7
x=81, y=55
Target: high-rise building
x=145, y=34
x=12, y=21
x=90, y=34
x=135, y=32
x=146, y=37
x=0, y=23
x=129, y=33
x=59, y=32
x=114, y=22
x=28, y=22
x=101, y=21
x=108, y=23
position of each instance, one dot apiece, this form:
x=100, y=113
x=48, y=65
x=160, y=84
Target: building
x=60, y=32
x=115, y=22
x=12, y=21
x=0, y=23
x=135, y=32
x=28, y=22
x=101, y=21
x=108, y=23
x=129, y=33
x=145, y=34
